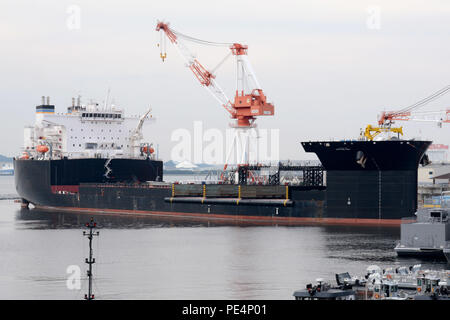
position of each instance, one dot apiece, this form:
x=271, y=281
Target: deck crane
x=410, y=113
x=249, y=101
x=136, y=135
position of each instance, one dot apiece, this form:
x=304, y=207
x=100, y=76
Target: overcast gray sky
x=327, y=72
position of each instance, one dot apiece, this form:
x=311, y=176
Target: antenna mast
x=90, y=261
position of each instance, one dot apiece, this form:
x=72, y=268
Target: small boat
x=430, y=286
x=427, y=236
x=377, y=284
x=324, y=291
x=401, y=283
x=387, y=289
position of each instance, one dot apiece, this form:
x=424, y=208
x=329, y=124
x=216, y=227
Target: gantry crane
x=410, y=113
x=249, y=101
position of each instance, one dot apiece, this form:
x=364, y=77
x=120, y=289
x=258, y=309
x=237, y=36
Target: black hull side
x=305, y=205
x=355, y=194
x=388, y=155
x=35, y=180
x=373, y=179
x=371, y=194
x=35, y=183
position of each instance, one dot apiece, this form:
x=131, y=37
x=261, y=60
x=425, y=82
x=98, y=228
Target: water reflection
x=172, y=259
x=41, y=219
x=343, y=243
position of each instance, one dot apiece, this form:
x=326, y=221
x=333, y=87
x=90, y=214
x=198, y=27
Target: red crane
x=247, y=105
x=411, y=114
x=249, y=101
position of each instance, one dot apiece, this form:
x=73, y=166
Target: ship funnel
x=43, y=100
x=48, y=100
x=79, y=101
x=73, y=102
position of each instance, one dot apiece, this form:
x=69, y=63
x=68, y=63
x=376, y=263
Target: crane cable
x=208, y=43
x=424, y=101
x=204, y=42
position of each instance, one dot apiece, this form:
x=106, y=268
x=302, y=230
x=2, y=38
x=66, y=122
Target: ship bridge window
x=90, y=145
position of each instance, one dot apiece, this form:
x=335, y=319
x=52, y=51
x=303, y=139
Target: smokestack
x=43, y=100
x=73, y=102
x=48, y=100
x=79, y=101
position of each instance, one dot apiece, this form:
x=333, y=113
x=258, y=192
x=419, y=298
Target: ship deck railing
x=145, y=185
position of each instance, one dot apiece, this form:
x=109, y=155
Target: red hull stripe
x=237, y=218
x=68, y=189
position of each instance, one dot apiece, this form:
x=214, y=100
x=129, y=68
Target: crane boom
x=410, y=114
x=441, y=116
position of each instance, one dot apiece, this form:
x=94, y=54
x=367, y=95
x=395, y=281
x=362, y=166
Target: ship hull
x=352, y=194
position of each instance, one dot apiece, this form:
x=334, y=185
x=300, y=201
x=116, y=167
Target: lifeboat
x=25, y=156
x=148, y=150
x=42, y=148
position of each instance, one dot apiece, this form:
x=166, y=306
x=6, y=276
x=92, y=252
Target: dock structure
x=425, y=192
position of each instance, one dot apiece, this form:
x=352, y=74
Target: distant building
x=434, y=173
x=438, y=153
x=433, y=181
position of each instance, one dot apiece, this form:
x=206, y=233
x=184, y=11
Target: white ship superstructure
x=85, y=131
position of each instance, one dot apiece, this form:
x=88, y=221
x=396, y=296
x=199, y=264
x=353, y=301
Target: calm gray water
x=143, y=258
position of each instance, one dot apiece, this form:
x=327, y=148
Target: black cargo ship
x=359, y=182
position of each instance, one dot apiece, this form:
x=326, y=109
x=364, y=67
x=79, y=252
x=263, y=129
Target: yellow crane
x=371, y=132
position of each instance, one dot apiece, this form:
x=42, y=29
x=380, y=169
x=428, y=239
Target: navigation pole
x=90, y=261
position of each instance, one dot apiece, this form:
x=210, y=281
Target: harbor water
x=148, y=258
